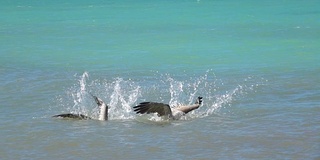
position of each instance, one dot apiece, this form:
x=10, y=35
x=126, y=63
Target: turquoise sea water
x=256, y=64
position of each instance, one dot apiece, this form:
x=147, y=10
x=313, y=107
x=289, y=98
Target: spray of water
x=79, y=96
x=121, y=95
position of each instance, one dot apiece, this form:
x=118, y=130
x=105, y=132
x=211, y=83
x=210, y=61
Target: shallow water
x=254, y=63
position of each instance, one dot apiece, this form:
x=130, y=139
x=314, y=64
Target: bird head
x=199, y=100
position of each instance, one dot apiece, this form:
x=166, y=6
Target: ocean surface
x=255, y=63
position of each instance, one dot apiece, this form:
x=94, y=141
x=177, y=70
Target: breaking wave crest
x=122, y=94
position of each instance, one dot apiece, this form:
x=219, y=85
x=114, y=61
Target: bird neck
x=103, y=116
x=188, y=108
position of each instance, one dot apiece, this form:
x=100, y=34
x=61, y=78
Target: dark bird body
x=103, y=116
x=72, y=116
x=165, y=110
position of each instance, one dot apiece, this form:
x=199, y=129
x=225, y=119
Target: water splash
x=122, y=94
x=176, y=89
x=216, y=93
x=241, y=89
x=119, y=94
x=79, y=96
x=76, y=99
x=152, y=119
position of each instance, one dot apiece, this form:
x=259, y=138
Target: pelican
x=165, y=110
x=103, y=116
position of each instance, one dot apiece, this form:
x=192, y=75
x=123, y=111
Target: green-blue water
x=256, y=64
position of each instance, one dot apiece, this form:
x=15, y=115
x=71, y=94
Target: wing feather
x=153, y=107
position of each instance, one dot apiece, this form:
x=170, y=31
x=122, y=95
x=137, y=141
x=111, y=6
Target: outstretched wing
x=153, y=107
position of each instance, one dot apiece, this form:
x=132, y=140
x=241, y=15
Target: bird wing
x=153, y=107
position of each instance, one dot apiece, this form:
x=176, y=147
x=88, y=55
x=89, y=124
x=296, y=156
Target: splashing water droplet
x=122, y=94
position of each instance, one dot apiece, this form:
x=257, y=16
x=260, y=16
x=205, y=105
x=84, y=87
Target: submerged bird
x=165, y=110
x=103, y=115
